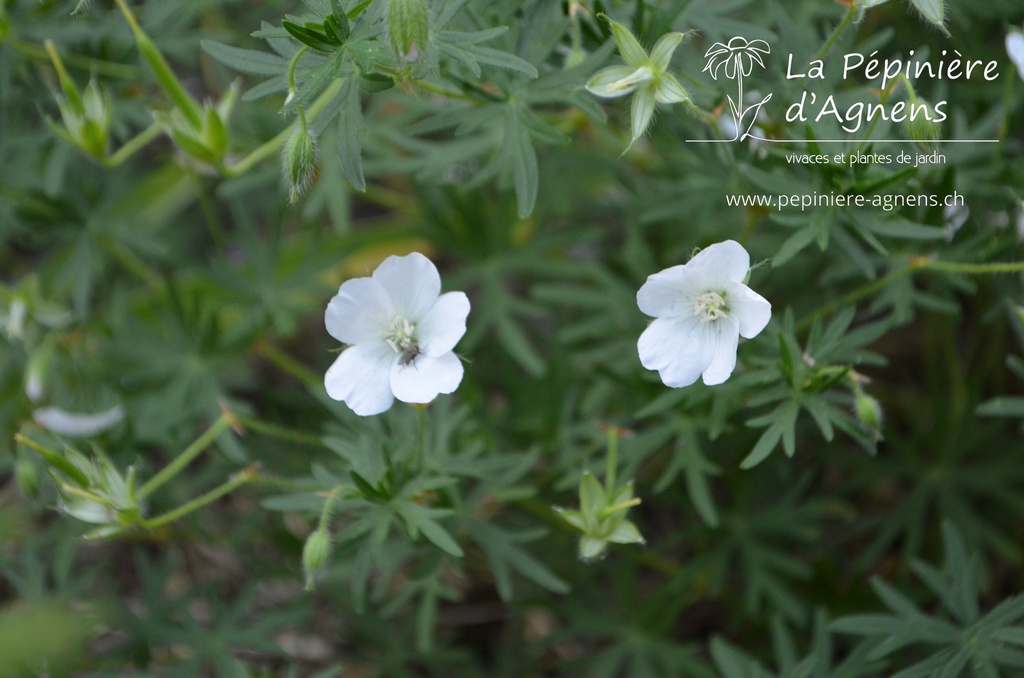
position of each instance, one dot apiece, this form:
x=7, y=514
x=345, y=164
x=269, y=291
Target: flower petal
x=719, y=263
x=65, y=423
x=412, y=282
x=677, y=348
x=671, y=292
x=444, y=324
x=661, y=53
x=630, y=48
x=616, y=81
x=641, y=112
x=359, y=311
x=1015, y=48
x=722, y=339
x=423, y=378
x=750, y=309
x=669, y=90
x=359, y=377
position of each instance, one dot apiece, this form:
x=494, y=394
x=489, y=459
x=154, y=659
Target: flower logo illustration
x=736, y=59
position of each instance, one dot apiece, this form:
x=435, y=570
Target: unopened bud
x=299, y=161
x=869, y=413
x=314, y=555
x=409, y=27
x=919, y=124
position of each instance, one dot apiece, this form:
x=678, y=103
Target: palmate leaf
x=964, y=637
x=503, y=554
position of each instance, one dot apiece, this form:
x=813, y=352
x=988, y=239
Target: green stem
x=280, y=432
x=284, y=483
x=97, y=66
x=325, y=515
x=441, y=91
x=186, y=456
x=916, y=264
x=168, y=80
x=973, y=269
x=209, y=211
x=291, y=69
x=232, y=484
x=272, y=146
x=612, y=461
x=827, y=47
x=133, y=145
x=577, y=42
x=132, y=262
x=66, y=83
x=421, y=444
x=289, y=364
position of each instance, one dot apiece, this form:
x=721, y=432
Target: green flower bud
x=869, y=413
x=919, y=124
x=299, y=161
x=409, y=27
x=314, y=555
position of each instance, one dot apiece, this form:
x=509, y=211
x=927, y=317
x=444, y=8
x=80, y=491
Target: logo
x=736, y=61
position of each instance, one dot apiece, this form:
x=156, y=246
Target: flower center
x=710, y=306
x=638, y=77
x=399, y=335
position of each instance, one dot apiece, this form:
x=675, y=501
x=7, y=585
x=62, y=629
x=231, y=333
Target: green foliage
x=184, y=185
x=961, y=638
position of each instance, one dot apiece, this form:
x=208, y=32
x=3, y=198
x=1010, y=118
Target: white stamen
x=710, y=306
x=399, y=335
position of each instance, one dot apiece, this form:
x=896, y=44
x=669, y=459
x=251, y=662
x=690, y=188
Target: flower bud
x=409, y=27
x=314, y=555
x=299, y=161
x=869, y=413
x=919, y=125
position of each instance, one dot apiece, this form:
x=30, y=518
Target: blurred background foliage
x=849, y=503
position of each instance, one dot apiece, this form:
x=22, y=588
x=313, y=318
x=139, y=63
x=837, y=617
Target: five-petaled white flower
x=645, y=76
x=402, y=332
x=702, y=308
x=1015, y=48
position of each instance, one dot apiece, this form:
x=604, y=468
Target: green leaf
x=310, y=37
x=245, y=60
x=523, y=157
x=419, y=518
x=350, y=126
x=500, y=546
x=1003, y=406
x=518, y=346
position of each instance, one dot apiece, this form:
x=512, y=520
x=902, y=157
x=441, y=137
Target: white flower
x=401, y=333
x=65, y=423
x=1015, y=48
x=702, y=308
